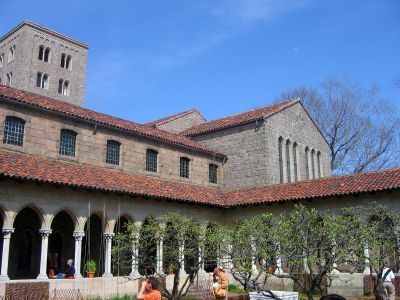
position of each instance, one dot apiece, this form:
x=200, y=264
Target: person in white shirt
x=388, y=283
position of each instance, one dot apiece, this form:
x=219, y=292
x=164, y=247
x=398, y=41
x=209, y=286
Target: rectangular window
x=67, y=142
x=14, y=131
x=213, y=173
x=184, y=167
x=151, y=160
x=112, y=155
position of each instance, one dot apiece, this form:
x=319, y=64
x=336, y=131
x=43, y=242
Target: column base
x=42, y=277
x=4, y=277
x=78, y=276
x=107, y=275
x=201, y=272
x=134, y=275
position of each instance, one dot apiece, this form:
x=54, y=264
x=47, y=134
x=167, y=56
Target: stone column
x=366, y=255
x=182, y=258
x=107, y=256
x=135, y=254
x=45, y=233
x=78, y=235
x=278, y=262
x=201, y=258
x=160, y=267
x=6, y=250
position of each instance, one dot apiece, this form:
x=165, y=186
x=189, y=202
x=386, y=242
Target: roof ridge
x=229, y=121
x=171, y=117
x=69, y=109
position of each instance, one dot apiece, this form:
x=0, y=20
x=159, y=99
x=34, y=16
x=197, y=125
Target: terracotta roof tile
x=242, y=118
x=172, y=118
x=33, y=168
x=65, y=108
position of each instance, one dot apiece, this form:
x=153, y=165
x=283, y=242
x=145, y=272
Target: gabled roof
x=71, y=174
x=61, y=107
x=239, y=119
x=173, y=117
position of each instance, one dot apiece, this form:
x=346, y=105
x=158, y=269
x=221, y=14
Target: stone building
x=70, y=176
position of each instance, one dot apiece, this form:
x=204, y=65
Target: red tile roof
x=242, y=118
x=65, y=108
x=38, y=169
x=172, y=118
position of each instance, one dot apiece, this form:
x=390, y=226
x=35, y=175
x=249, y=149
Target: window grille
x=112, y=155
x=213, y=173
x=184, y=167
x=151, y=160
x=14, y=131
x=67, y=142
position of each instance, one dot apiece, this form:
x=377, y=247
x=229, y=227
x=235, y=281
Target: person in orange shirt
x=220, y=287
x=149, y=290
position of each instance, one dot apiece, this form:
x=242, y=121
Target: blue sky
x=149, y=59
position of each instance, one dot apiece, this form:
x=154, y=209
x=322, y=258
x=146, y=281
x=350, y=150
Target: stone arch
x=61, y=241
x=40, y=213
x=93, y=242
x=26, y=244
x=70, y=212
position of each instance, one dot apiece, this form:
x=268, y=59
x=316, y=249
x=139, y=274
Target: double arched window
x=44, y=53
x=63, y=87
x=65, y=61
x=42, y=81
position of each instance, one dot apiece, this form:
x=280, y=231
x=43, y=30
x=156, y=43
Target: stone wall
x=42, y=138
x=181, y=123
x=252, y=149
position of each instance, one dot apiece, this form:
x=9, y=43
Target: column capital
x=7, y=232
x=108, y=236
x=45, y=232
x=78, y=235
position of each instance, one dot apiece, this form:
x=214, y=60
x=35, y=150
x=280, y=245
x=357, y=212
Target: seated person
x=69, y=271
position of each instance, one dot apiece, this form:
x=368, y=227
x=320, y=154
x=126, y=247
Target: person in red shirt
x=149, y=290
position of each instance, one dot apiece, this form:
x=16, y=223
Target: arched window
x=42, y=81
x=319, y=166
x=63, y=56
x=151, y=160
x=184, y=167
x=213, y=173
x=112, y=154
x=295, y=175
x=14, y=131
x=280, y=153
x=306, y=162
x=63, y=87
x=11, y=53
x=68, y=62
x=313, y=163
x=1, y=60
x=47, y=54
x=67, y=142
x=41, y=52
x=289, y=178
x=9, y=78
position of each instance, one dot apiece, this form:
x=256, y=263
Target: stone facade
x=42, y=138
x=253, y=153
x=27, y=39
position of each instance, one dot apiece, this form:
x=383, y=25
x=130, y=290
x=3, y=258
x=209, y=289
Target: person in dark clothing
x=69, y=272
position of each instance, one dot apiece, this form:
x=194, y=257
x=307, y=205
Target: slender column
x=107, y=261
x=78, y=235
x=6, y=251
x=278, y=262
x=135, y=254
x=45, y=233
x=160, y=244
x=305, y=263
x=253, y=256
x=230, y=262
x=182, y=256
x=201, y=258
x=366, y=255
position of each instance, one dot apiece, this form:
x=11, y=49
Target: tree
x=362, y=130
x=182, y=239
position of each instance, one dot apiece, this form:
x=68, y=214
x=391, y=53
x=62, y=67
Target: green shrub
x=235, y=289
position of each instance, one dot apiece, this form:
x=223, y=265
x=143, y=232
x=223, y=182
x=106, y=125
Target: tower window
x=11, y=53
x=44, y=53
x=151, y=160
x=14, y=131
x=63, y=87
x=112, y=154
x=9, y=78
x=65, y=61
x=42, y=81
x=184, y=167
x=213, y=173
x=67, y=142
